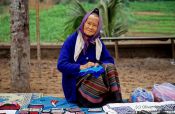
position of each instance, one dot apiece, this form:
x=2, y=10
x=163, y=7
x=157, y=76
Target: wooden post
x=38, y=38
x=116, y=51
x=173, y=49
x=20, y=46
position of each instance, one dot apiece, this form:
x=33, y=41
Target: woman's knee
x=110, y=66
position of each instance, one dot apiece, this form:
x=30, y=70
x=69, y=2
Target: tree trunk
x=20, y=46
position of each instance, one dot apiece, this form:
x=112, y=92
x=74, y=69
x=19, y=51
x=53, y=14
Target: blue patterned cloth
x=46, y=101
x=96, y=71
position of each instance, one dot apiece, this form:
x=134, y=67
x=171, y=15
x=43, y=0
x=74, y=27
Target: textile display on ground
x=49, y=103
x=133, y=108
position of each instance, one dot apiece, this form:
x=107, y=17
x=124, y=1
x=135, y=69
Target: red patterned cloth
x=8, y=106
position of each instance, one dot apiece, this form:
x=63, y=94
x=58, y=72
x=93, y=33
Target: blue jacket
x=70, y=68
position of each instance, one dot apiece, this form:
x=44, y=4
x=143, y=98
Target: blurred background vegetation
x=148, y=18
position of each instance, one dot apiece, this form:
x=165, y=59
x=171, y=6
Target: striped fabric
x=95, y=89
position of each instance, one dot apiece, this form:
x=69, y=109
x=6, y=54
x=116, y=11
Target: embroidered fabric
x=96, y=71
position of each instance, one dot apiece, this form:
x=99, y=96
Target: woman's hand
x=87, y=65
x=96, y=64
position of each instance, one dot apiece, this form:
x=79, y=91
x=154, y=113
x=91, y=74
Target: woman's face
x=91, y=25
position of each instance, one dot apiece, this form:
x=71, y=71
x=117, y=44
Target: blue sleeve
x=66, y=63
x=105, y=55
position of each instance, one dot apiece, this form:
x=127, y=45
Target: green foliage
x=75, y=17
x=115, y=15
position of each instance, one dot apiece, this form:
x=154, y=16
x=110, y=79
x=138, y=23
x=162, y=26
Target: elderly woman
x=82, y=50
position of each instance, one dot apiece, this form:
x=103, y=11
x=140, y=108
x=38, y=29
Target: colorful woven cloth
x=95, y=89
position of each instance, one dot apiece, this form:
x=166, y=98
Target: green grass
x=162, y=23
x=157, y=6
x=156, y=29
x=52, y=21
x=155, y=18
x=169, y=24
x=4, y=28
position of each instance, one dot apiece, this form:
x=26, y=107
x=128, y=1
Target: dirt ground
x=133, y=73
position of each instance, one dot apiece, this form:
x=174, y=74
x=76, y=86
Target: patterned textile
x=96, y=71
x=22, y=99
x=140, y=108
x=95, y=89
x=124, y=110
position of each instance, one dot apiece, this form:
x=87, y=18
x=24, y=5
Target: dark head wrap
x=91, y=39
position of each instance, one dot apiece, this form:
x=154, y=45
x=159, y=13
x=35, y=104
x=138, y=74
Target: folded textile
x=96, y=71
x=164, y=92
x=141, y=95
x=8, y=112
x=9, y=106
